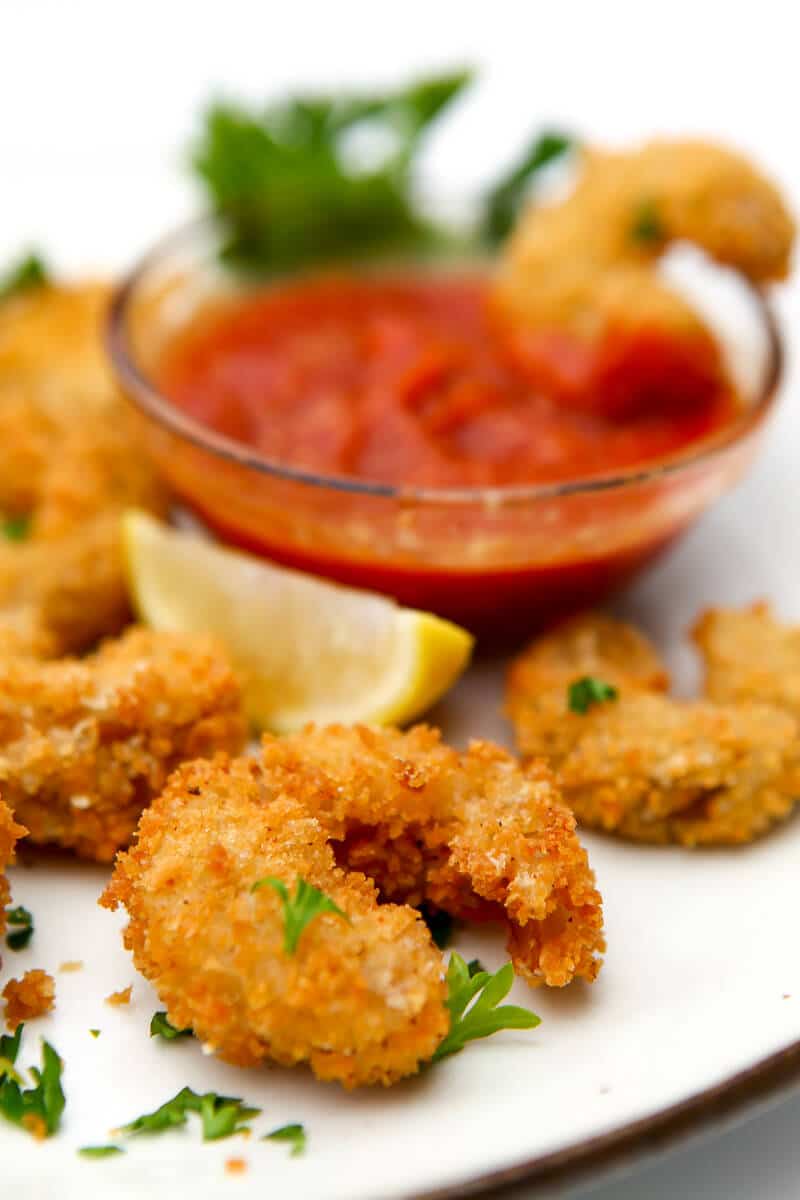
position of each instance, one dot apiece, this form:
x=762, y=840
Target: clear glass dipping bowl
x=503, y=560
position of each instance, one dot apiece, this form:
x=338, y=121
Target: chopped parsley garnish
x=300, y=909
x=473, y=1003
x=29, y=272
x=221, y=1116
x=100, y=1151
x=647, y=226
x=440, y=924
x=95, y=1033
x=295, y=1134
x=22, y=928
x=37, y=1109
x=160, y=1026
x=506, y=198
x=15, y=529
x=584, y=692
x=323, y=177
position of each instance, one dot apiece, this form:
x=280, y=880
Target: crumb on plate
x=117, y=999
x=31, y=996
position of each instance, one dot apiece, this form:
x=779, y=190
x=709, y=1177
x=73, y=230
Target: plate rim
x=619, y=1150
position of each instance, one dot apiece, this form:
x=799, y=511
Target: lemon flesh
x=306, y=650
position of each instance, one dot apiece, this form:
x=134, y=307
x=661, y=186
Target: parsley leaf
x=21, y=934
x=160, y=1026
x=29, y=272
x=473, y=1003
x=221, y=1116
x=506, y=198
x=295, y=1134
x=440, y=924
x=95, y=1033
x=300, y=909
x=294, y=191
x=100, y=1151
x=16, y=529
x=172, y=1114
x=647, y=226
x=37, y=1109
x=584, y=692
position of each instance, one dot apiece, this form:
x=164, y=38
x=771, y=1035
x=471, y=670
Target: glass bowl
x=500, y=560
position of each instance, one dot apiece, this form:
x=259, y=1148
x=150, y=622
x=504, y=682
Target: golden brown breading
x=362, y=1001
x=10, y=832
x=749, y=655
x=470, y=834
x=644, y=765
x=34, y=995
x=587, y=264
x=70, y=462
x=85, y=744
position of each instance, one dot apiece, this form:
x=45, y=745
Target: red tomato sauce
x=411, y=380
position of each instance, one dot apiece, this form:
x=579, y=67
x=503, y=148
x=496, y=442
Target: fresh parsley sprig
x=473, y=1001
x=587, y=691
x=161, y=1026
x=293, y=187
x=28, y=272
x=295, y=1134
x=37, y=1109
x=300, y=909
x=22, y=927
x=221, y=1116
x=505, y=200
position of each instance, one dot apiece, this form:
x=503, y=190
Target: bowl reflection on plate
x=499, y=560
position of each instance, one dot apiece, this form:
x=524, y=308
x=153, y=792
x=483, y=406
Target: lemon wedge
x=307, y=650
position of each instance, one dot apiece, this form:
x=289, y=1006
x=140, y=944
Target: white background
x=98, y=101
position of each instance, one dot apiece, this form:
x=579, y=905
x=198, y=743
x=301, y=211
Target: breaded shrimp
x=470, y=834
x=644, y=765
x=10, y=832
x=584, y=270
x=362, y=999
x=70, y=461
x=749, y=655
x=85, y=744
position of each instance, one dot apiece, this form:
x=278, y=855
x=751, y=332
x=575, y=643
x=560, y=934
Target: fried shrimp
x=70, y=462
x=470, y=834
x=639, y=763
x=585, y=269
x=749, y=655
x=362, y=998
x=85, y=744
x=10, y=832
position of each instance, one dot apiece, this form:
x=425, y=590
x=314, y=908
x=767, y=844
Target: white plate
x=701, y=979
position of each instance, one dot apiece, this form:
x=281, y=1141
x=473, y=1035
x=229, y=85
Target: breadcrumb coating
x=362, y=1000
x=70, y=461
x=470, y=834
x=85, y=744
x=750, y=655
x=10, y=833
x=644, y=765
x=34, y=995
x=588, y=263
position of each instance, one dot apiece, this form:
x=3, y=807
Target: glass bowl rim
x=154, y=405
